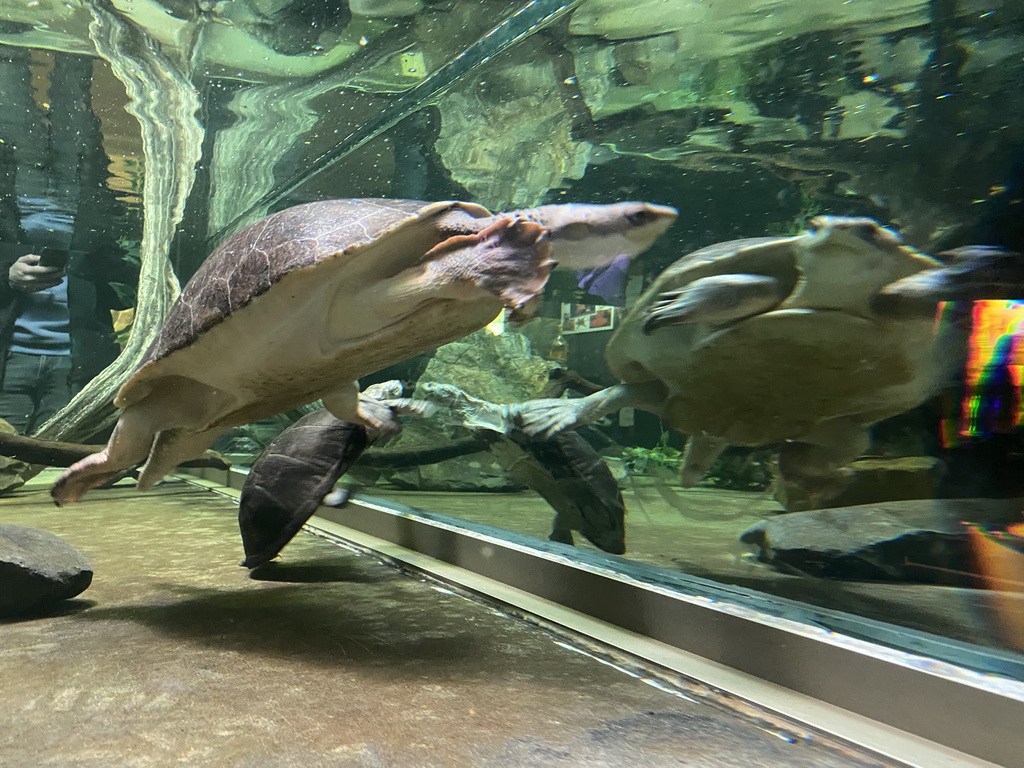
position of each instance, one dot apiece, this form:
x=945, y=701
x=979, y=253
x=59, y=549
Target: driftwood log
x=53, y=453
x=164, y=101
x=395, y=459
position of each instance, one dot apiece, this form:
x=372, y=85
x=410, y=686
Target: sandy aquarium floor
x=696, y=531
x=174, y=656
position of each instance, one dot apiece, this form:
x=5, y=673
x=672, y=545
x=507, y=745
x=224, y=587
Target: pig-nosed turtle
x=801, y=340
x=300, y=304
x=290, y=479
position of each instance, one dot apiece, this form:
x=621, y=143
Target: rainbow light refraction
x=994, y=372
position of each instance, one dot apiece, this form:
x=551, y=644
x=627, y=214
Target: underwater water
x=779, y=413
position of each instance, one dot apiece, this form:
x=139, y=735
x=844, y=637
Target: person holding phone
x=37, y=365
x=56, y=331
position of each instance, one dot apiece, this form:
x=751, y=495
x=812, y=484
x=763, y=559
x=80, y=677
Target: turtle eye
x=639, y=218
x=865, y=230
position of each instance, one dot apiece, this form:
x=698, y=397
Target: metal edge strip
x=899, y=705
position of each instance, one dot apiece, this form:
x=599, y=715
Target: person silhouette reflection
x=63, y=269
x=36, y=322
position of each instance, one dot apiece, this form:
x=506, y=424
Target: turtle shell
x=819, y=354
x=775, y=376
x=287, y=256
x=287, y=482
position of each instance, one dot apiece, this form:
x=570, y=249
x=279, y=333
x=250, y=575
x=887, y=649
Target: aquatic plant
x=810, y=206
x=736, y=469
x=741, y=470
x=641, y=461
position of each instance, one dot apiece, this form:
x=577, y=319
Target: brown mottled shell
x=253, y=260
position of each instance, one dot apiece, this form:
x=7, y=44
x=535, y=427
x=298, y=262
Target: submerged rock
x=873, y=481
x=38, y=568
x=924, y=541
x=500, y=368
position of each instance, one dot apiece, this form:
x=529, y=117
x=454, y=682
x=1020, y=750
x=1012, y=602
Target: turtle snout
x=647, y=221
x=649, y=213
x=866, y=230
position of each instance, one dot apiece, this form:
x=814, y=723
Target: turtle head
x=851, y=233
x=845, y=261
x=589, y=236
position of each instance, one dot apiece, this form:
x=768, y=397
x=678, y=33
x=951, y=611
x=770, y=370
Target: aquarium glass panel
x=793, y=364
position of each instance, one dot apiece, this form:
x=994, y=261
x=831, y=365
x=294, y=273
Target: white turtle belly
x=282, y=351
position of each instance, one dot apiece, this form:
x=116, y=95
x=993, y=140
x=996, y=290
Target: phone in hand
x=53, y=257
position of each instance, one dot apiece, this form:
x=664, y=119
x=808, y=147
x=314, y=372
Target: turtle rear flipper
x=128, y=445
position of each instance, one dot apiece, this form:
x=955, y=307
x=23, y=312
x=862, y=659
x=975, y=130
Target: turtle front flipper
x=347, y=403
x=389, y=393
x=716, y=300
x=510, y=259
x=505, y=264
x=547, y=417
x=378, y=415
x=971, y=273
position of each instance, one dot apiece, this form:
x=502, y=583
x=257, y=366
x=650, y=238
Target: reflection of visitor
x=55, y=325
x=991, y=387
x=56, y=331
x=35, y=329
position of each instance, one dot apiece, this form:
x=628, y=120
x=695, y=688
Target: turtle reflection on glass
x=297, y=471
x=803, y=341
x=299, y=305
x=565, y=470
